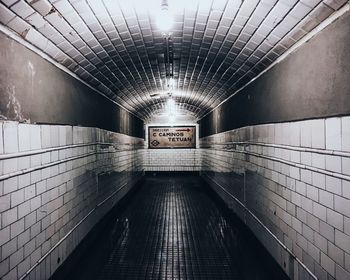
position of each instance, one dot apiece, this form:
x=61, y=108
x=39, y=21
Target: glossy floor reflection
x=172, y=228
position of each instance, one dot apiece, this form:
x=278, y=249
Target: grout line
x=298, y=165
x=59, y=148
x=285, y=147
x=32, y=169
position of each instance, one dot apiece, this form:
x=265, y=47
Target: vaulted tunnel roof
x=213, y=48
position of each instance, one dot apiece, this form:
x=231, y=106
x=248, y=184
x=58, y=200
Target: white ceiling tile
x=6, y=15
x=19, y=25
x=36, y=20
x=22, y=9
x=8, y=3
x=42, y=6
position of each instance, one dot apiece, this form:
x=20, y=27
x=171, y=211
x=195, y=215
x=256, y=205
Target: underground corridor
x=175, y=139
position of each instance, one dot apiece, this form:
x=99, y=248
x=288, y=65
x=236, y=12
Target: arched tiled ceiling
x=214, y=46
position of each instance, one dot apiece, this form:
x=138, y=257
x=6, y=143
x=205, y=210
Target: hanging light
x=165, y=19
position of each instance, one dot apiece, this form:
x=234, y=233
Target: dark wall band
x=35, y=91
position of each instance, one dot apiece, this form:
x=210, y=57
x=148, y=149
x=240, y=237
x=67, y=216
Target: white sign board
x=165, y=137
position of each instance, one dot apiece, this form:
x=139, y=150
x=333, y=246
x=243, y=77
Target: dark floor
x=173, y=228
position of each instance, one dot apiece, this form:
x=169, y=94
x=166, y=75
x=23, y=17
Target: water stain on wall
x=13, y=107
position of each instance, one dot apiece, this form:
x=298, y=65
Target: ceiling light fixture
x=165, y=19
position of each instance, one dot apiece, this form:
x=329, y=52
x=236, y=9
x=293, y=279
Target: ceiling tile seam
x=135, y=86
x=86, y=45
x=120, y=91
x=223, y=61
x=186, y=99
x=233, y=84
x=192, y=53
x=238, y=13
x=271, y=31
x=148, y=58
x=212, y=42
x=189, y=96
x=159, y=71
x=184, y=62
x=202, y=98
x=124, y=45
x=295, y=47
x=269, y=52
x=11, y=34
x=301, y=23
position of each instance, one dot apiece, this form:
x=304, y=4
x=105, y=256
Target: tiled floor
x=173, y=229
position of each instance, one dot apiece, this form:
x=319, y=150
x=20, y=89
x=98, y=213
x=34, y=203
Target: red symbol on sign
x=188, y=130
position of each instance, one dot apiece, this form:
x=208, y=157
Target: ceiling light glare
x=164, y=19
x=171, y=104
x=171, y=82
x=172, y=118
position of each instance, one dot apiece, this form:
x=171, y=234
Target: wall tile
x=4, y=267
x=35, y=137
x=345, y=134
x=335, y=253
x=54, y=135
x=306, y=133
x=326, y=199
x=306, y=158
x=333, y=134
x=9, y=217
x=62, y=135
x=328, y=264
x=318, y=160
x=342, y=241
x=342, y=205
x=17, y=197
x=346, y=165
x=1, y=140
x=333, y=185
x=10, y=185
x=346, y=188
x=327, y=231
x=320, y=211
x=24, y=137
x=294, y=134
x=319, y=180
x=45, y=136
x=335, y=219
x=10, y=130
x=318, y=134
x=341, y=273
x=333, y=163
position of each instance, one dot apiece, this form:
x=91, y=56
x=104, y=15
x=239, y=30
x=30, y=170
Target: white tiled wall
x=295, y=177
x=51, y=178
x=171, y=159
